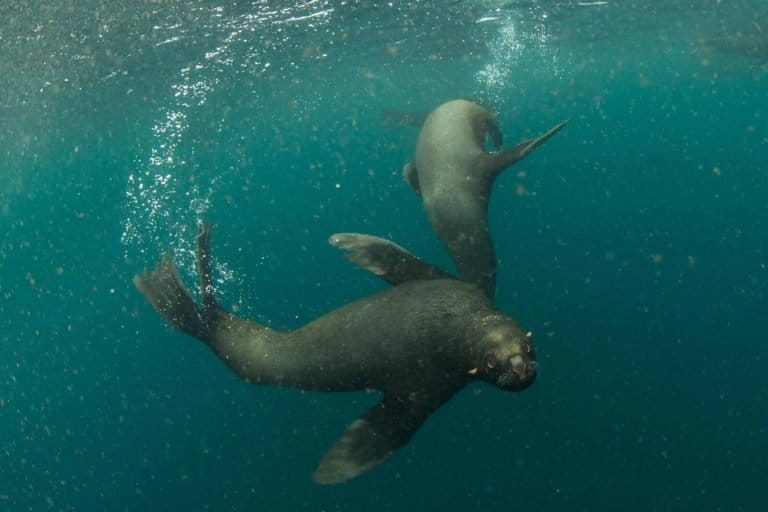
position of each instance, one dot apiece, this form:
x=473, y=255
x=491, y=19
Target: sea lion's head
x=506, y=355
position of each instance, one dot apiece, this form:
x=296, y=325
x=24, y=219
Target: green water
x=634, y=245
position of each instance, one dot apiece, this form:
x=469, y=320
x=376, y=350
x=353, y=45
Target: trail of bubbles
x=505, y=49
x=165, y=194
x=521, y=37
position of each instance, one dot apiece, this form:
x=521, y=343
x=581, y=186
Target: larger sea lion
x=454, y=175
x=419, y=342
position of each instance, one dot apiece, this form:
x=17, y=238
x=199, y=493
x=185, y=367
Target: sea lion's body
x=453, y=174
x=371, y=343
x=419, y=342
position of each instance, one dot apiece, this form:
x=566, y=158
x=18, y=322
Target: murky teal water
x=634, y=244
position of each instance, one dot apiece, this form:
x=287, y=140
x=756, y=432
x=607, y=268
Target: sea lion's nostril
x=518, y=363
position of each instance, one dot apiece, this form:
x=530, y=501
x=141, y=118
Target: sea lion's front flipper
x=411, y=177
x=386, y=259
x=376, y=435
x=500, y=161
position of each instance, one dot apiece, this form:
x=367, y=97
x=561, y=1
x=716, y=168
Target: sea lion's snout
x=510, y=360
x=519, y=370
x=518, y=364
x=524, y=370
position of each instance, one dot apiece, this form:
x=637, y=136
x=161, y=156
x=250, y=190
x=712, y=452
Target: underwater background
x=634, y=245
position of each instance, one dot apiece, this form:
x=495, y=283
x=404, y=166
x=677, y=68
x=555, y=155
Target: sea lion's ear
x=386, y=259
x=373, y=437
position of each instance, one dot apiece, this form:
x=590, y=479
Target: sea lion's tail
x=165, y=291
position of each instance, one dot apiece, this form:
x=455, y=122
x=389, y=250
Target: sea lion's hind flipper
x=411, y=177
x=373, y=437
x=203, y=258
x=164, y=290
x=500, y=161
x=386, y=259
x=495, y=133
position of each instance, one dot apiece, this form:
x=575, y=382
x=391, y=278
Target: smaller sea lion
x=454, y=175
x=419, y=342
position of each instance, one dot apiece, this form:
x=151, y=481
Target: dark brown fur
x=419, y=342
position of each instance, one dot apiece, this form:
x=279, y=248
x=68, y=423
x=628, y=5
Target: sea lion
x=453, y=174
x=419, y=342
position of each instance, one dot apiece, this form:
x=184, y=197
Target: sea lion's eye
x=490, y=361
